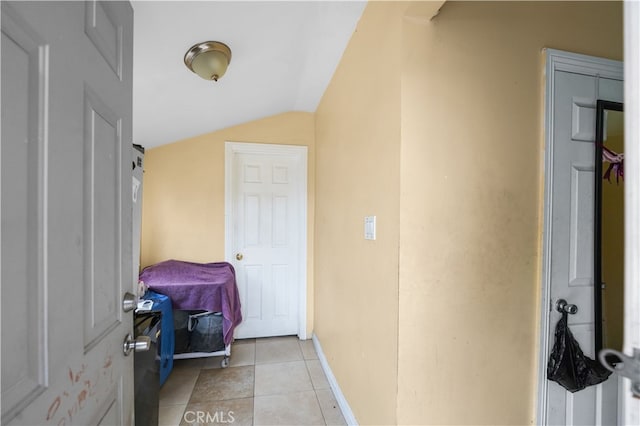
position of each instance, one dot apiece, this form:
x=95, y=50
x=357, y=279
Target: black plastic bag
x=181, y=332
x=568, y=365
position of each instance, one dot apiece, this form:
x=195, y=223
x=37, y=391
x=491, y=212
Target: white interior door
x=66, y=212
x=266, y=240
x=571, y=238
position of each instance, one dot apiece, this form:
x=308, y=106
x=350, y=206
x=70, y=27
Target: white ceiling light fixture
x=209, y=59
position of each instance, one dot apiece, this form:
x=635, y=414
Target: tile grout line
x=255, y=357
x=315, y=391
x=190, y=396
x=253, y=418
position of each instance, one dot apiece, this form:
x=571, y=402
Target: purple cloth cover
x=193, y=286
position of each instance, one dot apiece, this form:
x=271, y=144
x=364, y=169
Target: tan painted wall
x=183, y=195
x=435, y=127
x=470, y=210
x=358, y=174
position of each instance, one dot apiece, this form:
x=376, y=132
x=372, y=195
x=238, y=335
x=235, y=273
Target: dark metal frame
x=601, y=106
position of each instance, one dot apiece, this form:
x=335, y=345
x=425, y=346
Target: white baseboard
x=342, y=401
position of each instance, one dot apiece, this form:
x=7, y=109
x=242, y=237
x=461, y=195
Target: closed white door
x=66, y=212
x=266, y=239
x=572, y=250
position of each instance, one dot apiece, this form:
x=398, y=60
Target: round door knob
x=239, y=256
x=129, y=302
x=141, y=344
x=562, y=306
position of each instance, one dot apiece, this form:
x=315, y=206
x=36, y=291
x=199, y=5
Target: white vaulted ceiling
x=283, y=57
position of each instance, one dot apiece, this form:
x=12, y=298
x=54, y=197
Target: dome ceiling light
x=209, y=59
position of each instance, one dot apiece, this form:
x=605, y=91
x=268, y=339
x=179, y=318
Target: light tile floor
x=273, y=381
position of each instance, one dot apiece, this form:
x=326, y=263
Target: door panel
x=265, y=248
x=66, y=214
x=266, y=220
x=24, y=53
x=581, y=232
x=102, y=28
x=572, y=238
x=102, y=195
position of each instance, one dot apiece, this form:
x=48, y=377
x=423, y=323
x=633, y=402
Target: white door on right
x=266, y=227
x=572, y=250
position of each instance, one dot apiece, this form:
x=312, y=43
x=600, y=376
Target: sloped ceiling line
x=283, y=57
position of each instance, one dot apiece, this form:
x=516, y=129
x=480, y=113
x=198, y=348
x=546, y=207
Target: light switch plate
x=369, y=227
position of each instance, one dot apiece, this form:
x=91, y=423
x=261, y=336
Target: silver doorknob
x=562, y=306
x=239, y=256
x=141, y=344
x=129, y=302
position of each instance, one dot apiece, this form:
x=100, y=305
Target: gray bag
x=206, y=332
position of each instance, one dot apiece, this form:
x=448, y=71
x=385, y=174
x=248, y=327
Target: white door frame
x=557, y=60
x=631, y=406
x=300, y=153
